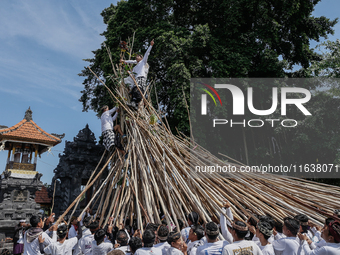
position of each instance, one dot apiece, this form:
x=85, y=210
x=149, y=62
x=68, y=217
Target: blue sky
x=42, y=47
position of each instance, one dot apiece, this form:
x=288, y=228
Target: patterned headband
x=264, y=230
x=239, y=227
x=212, y=232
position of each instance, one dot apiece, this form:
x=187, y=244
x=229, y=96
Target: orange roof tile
x=41, y=196
x=28, y=131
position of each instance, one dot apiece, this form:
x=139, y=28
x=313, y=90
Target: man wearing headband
x=162, y=234
x=148, y=240
x=289, y=245
x=140, y=70
x=110, y=140
x=195, y=236
x=240, y=245
x=85, y=243
x=331, y=234
x=178, y=246
x=264, y=231
x=213, y=246
x=225, y=224
x=192, y=220
x=267, y=219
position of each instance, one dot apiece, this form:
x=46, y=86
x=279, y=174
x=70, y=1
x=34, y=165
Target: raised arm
x=223, y=221
x=145, y=59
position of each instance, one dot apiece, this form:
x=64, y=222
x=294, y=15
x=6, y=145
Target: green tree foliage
x=221, y=38
x=201, y=38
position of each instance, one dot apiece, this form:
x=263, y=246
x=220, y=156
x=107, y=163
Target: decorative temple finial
x=28, y=114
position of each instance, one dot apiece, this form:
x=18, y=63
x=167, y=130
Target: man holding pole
x=140, y=71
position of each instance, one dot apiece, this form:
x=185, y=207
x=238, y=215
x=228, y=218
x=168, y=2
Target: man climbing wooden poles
x=140, y=72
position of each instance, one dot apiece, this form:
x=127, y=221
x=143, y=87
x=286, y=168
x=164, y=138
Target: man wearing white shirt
x=99, y=247
x=178, y=246
x=331, y=234
x=264, y=231
x=240, y=246
x=290, y=245
x=140, y=71
x=31, y=242
x=304, y=227
x=122, y=240
x=192, y=220
x=108, y=129
x=213, y=246
x=148, y=240
x=317, y=232
x=196, y=235
x=85, y=243
x=162, y=234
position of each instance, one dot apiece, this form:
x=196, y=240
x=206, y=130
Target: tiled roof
x=41, y=196
x=28, y=130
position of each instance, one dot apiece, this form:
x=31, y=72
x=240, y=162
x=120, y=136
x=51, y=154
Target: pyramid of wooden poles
x=156, y=176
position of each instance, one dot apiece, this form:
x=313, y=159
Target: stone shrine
x=24, y=142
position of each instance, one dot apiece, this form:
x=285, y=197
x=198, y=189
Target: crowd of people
x=261, y=234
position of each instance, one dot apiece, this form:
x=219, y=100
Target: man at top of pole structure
x=140, y=71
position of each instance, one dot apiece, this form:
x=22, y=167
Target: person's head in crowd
x=196, y=232
x=152, y=226
x=22, y=223
x=122, y=238
x=290, y=227
x=264, y=230
x=278, y=226
x=211, y=231
x=62, y=231
x=94, y=226
x=303, y=221
x=99, y=236
x=36, y=221
x=251, y=221
x=87, y=221
x=135, y=243
x=239, y=230
x=193, y=218
x=74, y=220
x=162, y=233
x=148, y=237
x=175, y=240
x=327, y=221
x=331, y=233
x=116, y=252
